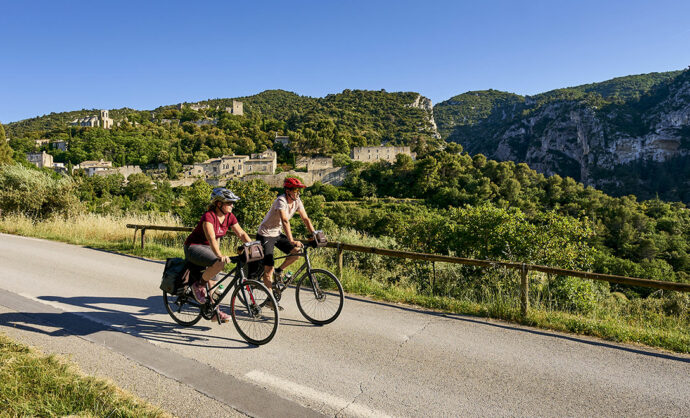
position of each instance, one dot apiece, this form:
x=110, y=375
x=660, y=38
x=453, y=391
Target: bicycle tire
x=182, y=308
x=319, y=296
x=254, y=321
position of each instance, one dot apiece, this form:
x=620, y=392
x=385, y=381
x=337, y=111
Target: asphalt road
x=377, y=359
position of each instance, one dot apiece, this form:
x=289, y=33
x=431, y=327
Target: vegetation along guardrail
x=522, y=267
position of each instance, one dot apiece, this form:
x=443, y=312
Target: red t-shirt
x=198, y=237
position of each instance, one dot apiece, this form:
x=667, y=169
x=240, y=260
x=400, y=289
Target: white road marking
x=296, y=389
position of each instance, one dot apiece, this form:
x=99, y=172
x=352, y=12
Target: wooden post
x=340, y=262
x=143, y=232
x=433, y=278
x=524, y=291
x=134, y=240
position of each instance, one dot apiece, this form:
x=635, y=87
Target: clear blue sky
x=67, y=55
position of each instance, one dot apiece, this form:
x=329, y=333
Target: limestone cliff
x=585, y=135
x=425, y=104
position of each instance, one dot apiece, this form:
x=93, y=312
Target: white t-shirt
x=271, y=225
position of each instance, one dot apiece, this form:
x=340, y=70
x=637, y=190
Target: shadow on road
x=517, y=328
x=114, y=316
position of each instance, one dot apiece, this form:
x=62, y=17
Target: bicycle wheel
x=319, y=296
x=256, y=322
x=182, y=307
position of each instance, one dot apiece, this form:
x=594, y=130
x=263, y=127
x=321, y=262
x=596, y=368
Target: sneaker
x=199, y=292
x=222, y=315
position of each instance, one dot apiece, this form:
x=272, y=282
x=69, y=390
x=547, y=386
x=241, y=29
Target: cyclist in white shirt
x=282, y=210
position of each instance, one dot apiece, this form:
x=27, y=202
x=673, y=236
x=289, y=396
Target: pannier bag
x=253, y=251
x=173, y=275
x=320, y=239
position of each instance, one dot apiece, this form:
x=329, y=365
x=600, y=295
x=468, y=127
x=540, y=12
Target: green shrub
x=36, y=194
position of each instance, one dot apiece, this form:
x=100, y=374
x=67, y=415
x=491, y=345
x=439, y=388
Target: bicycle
x=318, y=292
x=252, y=305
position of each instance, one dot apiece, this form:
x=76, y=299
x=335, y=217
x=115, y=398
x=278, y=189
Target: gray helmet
x=221, y=194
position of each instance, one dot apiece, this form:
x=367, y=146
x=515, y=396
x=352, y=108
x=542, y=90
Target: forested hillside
x=169, y=135
x=628, y=135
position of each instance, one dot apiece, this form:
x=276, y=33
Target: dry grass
x=84, y=228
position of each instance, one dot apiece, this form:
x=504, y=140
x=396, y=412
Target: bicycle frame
x=211, y=305
x=306, y=265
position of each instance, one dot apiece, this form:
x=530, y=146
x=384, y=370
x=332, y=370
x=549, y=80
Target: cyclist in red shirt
x=202, y=246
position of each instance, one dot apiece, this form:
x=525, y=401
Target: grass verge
x=33, y=384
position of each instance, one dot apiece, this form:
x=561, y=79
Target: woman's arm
x=237, y=229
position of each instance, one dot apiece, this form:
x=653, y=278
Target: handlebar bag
x=320, y=238
x=253, y=251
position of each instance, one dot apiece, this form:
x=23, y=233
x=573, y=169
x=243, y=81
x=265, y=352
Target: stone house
x=237, y=107
x=234, y=165
x=103, y=120
x=41, y=142
x=195, y=170
x=126, y=171
x=40, y=159
x=266, y=162
x=60, y=168
x=60, y=144
x=91, y=167
x=319, y=163
x=373, y=154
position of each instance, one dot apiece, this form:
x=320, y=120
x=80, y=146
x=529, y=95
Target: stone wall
x=335, y=176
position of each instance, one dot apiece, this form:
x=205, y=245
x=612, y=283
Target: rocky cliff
x=425, y=104
x=581, y=133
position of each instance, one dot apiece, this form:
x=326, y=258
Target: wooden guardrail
x=522, y=267
x=143, y=229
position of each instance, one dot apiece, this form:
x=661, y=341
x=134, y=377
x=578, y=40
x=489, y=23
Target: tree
x=139, y=187
x=5, y=150
x=255, y=200
x=196, y=199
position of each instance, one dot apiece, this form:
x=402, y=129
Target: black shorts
x=200, y=255
x=269, y=243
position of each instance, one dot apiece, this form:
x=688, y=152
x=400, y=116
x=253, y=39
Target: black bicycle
x=318, y=292
x=252, y=305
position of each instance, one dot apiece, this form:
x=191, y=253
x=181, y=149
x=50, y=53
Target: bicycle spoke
x=181, y=309
x=319, y=297
x=254, y=320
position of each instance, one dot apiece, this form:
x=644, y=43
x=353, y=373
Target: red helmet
x=293, y=183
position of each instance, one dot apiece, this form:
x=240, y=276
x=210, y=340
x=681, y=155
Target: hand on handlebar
x=225, y=259
x=296, y=243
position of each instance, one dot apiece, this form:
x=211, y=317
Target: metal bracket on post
x=524, y=291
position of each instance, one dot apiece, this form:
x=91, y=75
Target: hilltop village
x=217, y=170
